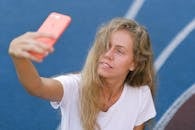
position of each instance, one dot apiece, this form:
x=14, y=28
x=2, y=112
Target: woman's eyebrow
x=121, y=47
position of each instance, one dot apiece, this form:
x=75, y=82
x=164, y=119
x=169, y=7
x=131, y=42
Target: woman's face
x=117, y=61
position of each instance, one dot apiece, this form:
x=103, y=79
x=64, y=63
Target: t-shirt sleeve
x=147, y=109
x=70, y=85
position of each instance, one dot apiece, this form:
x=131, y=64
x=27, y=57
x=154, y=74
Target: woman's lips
x=106, y=65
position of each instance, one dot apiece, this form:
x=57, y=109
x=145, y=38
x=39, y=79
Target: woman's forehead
x=121, y=37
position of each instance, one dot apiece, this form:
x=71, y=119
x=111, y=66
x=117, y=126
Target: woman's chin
x=104, y=75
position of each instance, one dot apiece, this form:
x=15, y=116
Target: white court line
x=161, y=59
x=173, y=44
x=134, y=9
x=168, y=115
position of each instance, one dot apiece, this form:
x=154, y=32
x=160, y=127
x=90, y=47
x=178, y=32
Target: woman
x=113, y=91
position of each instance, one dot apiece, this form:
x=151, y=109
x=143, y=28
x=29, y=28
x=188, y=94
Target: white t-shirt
x=134, y=107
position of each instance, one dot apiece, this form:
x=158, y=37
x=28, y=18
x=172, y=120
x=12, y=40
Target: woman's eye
x=120, y=51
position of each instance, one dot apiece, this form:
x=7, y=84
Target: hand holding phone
x=54, y=24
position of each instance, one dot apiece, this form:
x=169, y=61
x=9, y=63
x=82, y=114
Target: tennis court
x=171, y=25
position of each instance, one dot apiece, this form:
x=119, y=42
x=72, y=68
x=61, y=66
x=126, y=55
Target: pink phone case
x=55, y=24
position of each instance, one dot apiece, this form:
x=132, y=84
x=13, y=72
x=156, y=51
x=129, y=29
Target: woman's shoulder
x=70, y=76
x=71, y=79
x=144, y=89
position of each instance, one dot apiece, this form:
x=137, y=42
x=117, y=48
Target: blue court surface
x=171, y=25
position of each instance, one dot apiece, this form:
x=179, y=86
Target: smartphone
x=56, y=24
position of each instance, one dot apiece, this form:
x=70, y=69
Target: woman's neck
x=110, y=93
x=111, y=88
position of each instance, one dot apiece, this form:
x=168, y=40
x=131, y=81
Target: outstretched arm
x=19, y=50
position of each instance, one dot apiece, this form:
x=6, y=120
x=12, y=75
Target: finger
x=35, y=49
x=39, y=35
x=29, y=56
x=45, y=46
x=25, y=55
x=35, y=36
x=36, y=46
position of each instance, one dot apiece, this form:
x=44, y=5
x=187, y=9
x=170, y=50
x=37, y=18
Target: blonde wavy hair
x=143, y=73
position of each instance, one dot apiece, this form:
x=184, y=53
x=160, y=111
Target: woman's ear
x=132, y=66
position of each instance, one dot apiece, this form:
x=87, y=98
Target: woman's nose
x=109, y=54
